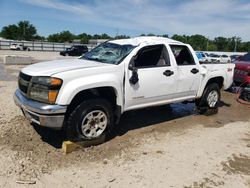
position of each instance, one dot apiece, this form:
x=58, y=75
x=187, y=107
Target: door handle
x=194, y=71
x=168, y=73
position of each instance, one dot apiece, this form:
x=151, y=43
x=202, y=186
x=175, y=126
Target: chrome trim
x=51, y=116
x=53, y=121
x=37, y=107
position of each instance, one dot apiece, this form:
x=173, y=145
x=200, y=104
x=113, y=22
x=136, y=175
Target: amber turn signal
x=52, y=96
x=55, y=82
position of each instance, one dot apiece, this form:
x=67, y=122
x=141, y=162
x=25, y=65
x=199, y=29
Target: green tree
x=64, y=36
x=26, y=31
x=165, y=36
x=198, y=42
x=221, y=43
x=122, y=37
x=245, y=47
x=53, y=38
x=84, y=37
x=10, y=32
x=22, y=31
x=105, y=36
x=181, y=38
x=211, y=47
x=151, y=34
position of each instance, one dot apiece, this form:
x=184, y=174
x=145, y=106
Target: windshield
x=109, y=53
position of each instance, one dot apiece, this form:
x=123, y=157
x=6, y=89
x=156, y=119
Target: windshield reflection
x=109, y=53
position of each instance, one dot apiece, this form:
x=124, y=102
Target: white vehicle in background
x=215, y=58
x=225, y=59
x=15, y=46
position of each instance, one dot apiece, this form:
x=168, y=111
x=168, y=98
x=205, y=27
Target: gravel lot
x=165, y=146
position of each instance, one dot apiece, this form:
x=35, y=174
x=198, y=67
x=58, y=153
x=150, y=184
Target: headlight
x=45, y=89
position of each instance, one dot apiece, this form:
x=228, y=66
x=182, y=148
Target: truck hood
x=57, y=66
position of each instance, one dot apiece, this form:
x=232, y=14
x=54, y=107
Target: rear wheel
x=90, y=120
x=208, y=103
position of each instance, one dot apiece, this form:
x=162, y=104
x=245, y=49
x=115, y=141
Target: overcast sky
x=211, y=18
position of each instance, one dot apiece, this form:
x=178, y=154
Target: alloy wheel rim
x=212, y=98
x=94, y=124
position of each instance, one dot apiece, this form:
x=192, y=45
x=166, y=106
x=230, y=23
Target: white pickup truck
x=87, y=96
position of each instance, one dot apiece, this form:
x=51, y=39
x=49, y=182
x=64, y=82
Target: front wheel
x=90, y=120
x=208, y=103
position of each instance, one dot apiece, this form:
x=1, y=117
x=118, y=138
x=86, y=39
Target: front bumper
x=46, y=115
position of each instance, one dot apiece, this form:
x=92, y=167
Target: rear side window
x=224, y=56
x=182, y=55
x=152, y=56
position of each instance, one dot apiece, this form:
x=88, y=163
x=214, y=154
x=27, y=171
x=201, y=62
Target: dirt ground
x=167, y=146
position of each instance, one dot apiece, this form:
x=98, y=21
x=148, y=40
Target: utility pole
x=24, y=32
x=235, y=43
x=207, y=42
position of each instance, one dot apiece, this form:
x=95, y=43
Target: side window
x=152, y=56
x=182, y=55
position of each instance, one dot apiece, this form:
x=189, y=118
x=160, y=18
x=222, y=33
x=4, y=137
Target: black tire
x=78, y=115
x=203, y=105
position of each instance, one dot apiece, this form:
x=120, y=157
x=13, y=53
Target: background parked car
x=215, y=58
x=203, y=57
x=16, y=46
x=242, y=70
x=235, y=57
x=75, y=50
x=225, y=59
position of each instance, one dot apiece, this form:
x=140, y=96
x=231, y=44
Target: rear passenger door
x=188, y=79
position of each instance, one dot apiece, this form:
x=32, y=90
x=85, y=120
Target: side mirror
x=131, y=66
x=134, y=78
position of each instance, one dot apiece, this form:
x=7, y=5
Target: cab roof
x=145, y=40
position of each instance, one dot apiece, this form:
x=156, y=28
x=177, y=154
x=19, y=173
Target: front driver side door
x=156, y=78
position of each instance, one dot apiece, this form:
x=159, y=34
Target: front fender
x=73, y=87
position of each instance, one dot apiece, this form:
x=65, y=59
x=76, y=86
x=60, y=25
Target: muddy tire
x=91, y=120
x=208, y=103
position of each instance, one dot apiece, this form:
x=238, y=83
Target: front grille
x=23, y=82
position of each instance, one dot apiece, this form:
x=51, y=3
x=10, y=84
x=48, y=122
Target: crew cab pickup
x=86, y=96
